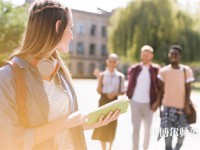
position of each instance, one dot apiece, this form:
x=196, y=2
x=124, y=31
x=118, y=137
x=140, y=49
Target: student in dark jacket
x=142, y=90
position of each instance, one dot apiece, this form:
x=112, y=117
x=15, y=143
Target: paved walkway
x=88, y=101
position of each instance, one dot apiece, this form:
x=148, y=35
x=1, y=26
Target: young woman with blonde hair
x=51, y=105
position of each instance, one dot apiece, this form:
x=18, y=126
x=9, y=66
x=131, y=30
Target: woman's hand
x=75, y=119
x=78, y=119
x=102, y=120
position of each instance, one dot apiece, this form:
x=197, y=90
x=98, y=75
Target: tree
x=12, y=22
x=158, y=23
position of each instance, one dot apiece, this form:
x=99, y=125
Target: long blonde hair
x=41, y=37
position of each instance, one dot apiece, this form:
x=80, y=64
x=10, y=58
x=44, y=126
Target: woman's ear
x=58, y=25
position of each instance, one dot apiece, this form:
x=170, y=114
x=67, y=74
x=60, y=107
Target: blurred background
x=122, y=27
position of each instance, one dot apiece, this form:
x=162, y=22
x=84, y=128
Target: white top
x=141, y=93
x=58, y=107
x=111, y=81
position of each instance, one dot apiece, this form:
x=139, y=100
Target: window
x=80, y=68
x=103, y=50
x=92, y=49
x=91, y=68
x=69, y=65
x=70, y=47
x=103, y=31
x=80, y=29
x=103, y=66
x=80, y=48
x=93, y=30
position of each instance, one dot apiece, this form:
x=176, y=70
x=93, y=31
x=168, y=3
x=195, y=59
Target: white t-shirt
x=141, y=93
x=111, y=81
x=59, y=105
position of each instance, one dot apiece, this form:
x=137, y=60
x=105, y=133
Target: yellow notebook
x=119, y=104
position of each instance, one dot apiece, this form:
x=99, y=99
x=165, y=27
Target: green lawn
x=196, y=87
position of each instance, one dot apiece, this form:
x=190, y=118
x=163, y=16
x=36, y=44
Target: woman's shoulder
x=120, y=74
x=6, y=74
x=7, y=85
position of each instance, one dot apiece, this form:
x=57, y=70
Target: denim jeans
x=175, y=132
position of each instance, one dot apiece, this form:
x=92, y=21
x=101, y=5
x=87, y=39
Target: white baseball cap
x=113, y=56
x=147, y=48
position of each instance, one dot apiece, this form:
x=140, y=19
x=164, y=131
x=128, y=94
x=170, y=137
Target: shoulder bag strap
x=20, y=92
x=120, y=83
x=185, y=78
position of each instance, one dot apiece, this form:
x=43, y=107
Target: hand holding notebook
x=119, y=104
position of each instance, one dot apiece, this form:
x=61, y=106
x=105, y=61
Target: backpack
x=19, y=78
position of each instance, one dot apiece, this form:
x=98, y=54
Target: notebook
x=119, y=104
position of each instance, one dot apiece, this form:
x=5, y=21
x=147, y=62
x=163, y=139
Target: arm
x=188, y=91
x=159, y=97
x=187, y=97
x=40, y=134
x=188, y=79
x=75, y=119
x=100, y=84
x=131, y=82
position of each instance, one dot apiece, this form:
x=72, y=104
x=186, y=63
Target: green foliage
x=158, y=23
x=12, y=22
x=196, y=87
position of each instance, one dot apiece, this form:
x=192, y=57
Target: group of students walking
x=149, y=87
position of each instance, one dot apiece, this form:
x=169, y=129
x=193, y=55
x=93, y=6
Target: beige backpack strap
x=20, y=92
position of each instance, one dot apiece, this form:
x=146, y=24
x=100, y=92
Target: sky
x=88, y=5
x=108, y=5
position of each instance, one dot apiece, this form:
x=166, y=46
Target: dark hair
x=176, y=47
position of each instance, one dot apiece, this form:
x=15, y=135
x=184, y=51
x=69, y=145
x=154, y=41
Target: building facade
x=88, y=49
x=29, y=1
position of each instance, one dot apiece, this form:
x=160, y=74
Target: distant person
x=49, y=117
x=142, y=90
x=110, y=86
x=173, y=96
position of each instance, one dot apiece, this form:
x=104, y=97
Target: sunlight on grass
x=196, y=87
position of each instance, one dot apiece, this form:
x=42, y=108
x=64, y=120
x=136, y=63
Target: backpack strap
x=120, y=83
x=20, y=92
